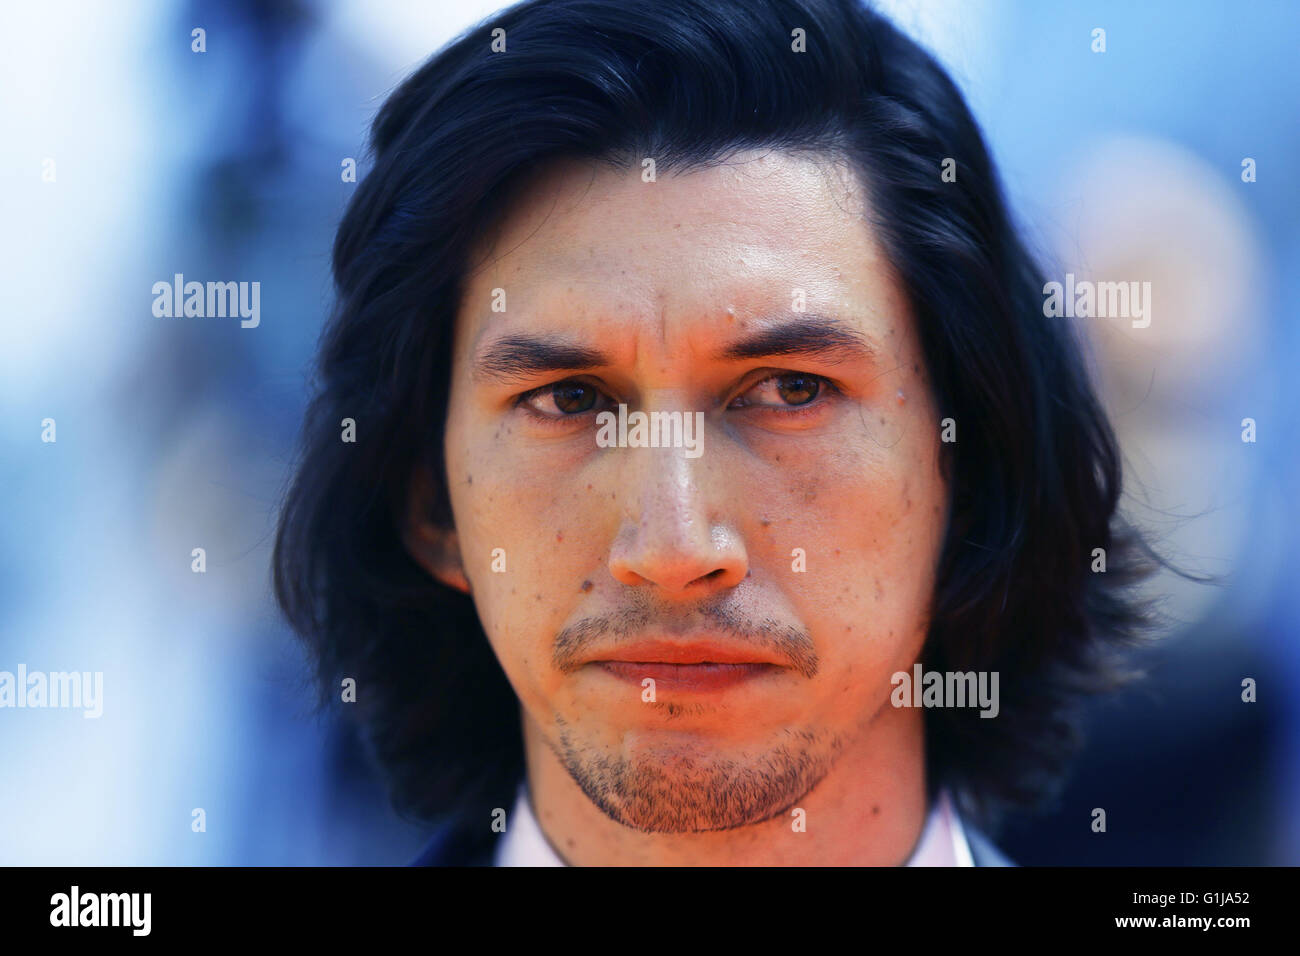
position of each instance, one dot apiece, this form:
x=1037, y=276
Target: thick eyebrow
x=521, y=356
x=810, y=334
x=516, y=357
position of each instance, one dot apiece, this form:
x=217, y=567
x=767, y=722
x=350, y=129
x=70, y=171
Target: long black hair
x=1035, y=470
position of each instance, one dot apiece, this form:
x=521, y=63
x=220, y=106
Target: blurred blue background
x=129, y=158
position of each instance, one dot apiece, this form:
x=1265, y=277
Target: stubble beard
x=692, y=790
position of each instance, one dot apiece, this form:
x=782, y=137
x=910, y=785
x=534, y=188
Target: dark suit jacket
x=458, y=845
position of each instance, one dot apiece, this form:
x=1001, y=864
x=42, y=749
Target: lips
x=694, y=666
x=685, y=677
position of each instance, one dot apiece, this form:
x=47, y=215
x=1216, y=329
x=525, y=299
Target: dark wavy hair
x=1035, y=472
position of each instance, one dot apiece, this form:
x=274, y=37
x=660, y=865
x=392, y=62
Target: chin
x=692, y=789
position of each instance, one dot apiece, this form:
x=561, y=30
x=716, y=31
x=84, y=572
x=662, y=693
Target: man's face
x=697, y=633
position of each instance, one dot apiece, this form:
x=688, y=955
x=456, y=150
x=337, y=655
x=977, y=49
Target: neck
x=869, y=810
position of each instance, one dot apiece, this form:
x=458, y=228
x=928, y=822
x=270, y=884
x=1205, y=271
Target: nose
x=674, y=536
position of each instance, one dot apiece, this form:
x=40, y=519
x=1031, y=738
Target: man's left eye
x=786, y=390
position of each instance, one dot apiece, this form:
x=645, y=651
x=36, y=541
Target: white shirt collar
x=942, y=841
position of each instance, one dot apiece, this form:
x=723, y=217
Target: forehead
x=758, y=222
x=676, y=260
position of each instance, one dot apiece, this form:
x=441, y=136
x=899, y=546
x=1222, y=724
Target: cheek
x=869, y=512
x=522, y=541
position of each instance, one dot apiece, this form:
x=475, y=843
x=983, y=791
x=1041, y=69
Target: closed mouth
x=696, y=676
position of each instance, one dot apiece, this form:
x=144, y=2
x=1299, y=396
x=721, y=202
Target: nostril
x=711, y=575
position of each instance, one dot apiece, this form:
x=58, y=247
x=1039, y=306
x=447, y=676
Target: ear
x=434, y=548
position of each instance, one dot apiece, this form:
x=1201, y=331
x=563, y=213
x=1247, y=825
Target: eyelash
x=826, y=388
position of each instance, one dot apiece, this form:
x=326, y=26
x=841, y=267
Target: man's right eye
x=560, y=400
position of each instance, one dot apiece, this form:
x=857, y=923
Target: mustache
x=794, y=644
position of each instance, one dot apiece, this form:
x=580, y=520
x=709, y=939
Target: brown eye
x=573, y=398
x=561, y=400
x=798, y=389
x=788, y=393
